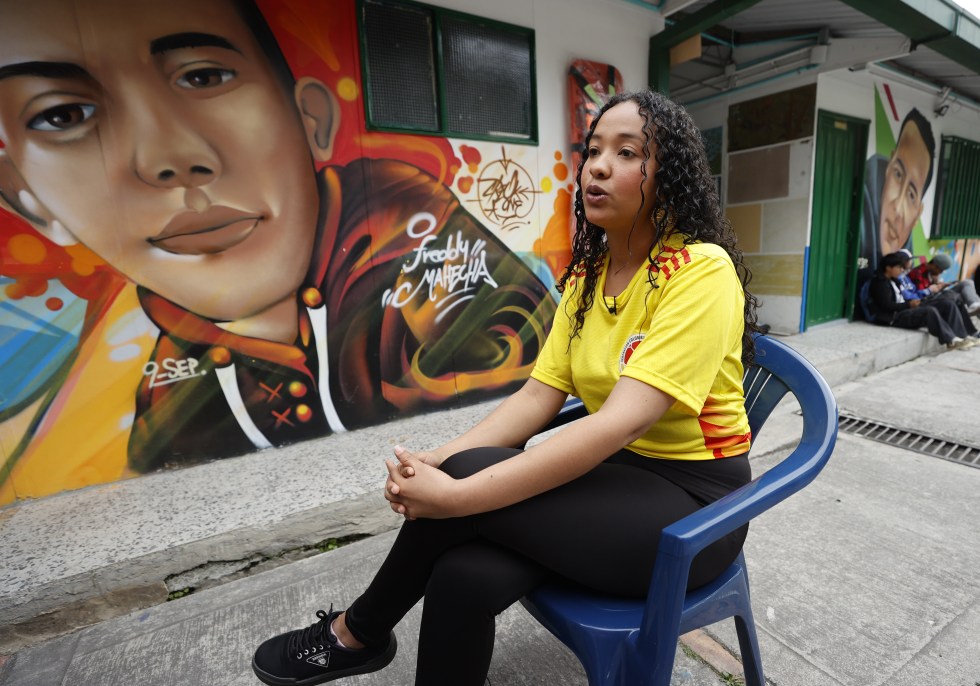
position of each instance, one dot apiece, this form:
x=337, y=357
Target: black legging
x=945, y=317
x=600, y=530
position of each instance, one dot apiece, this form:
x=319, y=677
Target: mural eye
x=62, y=117
x=208, y=77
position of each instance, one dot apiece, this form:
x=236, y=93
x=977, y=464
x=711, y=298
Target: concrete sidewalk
x=83, y=557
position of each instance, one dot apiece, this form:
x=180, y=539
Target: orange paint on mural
x=26, y=249
x=433, y=155
x=560, y=171
x=465, y=183
x=472, y=157
x=83, y=261
x=26, y=287
x=555, y=245
x=308, y=23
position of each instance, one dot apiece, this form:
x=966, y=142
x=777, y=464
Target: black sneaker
x=311, y=656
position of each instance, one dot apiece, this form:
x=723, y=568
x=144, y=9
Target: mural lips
x=206, y=233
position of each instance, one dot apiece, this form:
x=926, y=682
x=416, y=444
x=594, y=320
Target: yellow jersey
x=683, y=337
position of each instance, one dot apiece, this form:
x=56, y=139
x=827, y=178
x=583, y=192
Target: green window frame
x=429, y=70
x=957, y=208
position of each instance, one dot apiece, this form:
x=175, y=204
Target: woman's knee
x=481, y=577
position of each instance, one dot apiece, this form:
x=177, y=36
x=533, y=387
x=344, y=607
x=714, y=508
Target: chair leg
x=748, y=644
x=665, y=663
x=650, y=667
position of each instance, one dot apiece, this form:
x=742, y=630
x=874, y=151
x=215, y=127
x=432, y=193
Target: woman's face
x=615, y=191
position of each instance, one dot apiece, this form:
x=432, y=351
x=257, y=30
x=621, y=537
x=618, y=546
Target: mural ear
x=16, y=197
x=320, y=115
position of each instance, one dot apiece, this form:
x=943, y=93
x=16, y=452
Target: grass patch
x=179, y=593
x=329, y=544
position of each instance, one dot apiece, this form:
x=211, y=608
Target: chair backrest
x=776, y=371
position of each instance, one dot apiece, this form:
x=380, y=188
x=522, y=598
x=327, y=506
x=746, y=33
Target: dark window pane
x=401, y=73
x=488, y=74
x=957, y=205
x=771, y=119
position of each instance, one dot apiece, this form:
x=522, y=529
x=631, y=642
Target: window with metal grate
x=431, y=70
x=957, y=208
x=399, y=44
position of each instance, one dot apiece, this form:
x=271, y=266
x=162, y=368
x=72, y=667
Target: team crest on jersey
x=632, y=343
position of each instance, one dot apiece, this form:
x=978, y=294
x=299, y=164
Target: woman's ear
x=320, y=113
x=17, y=197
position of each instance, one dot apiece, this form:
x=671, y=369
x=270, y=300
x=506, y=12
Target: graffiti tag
x=170, y=371
x=446, y=274
x=505, y=192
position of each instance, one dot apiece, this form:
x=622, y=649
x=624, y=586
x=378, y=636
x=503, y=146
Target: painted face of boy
x=157, y=134
x=901, y=193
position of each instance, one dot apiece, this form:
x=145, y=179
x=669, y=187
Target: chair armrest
x=683, y=539
x=686, y=537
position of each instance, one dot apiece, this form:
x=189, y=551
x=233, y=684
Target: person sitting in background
x=927, y=276
x=941, y=315
x=910, y=291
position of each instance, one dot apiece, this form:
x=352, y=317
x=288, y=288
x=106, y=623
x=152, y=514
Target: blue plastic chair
x=627, y=642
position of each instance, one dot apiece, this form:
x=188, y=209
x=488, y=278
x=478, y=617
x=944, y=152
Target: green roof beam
x=938, y=24
x=692, y=24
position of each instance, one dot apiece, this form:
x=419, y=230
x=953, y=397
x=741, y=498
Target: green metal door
x=837, y=183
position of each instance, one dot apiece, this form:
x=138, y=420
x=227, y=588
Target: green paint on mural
x=884, y=138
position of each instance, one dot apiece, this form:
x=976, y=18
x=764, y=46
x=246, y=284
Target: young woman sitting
x=651, y=333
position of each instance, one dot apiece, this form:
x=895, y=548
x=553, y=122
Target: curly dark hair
x=686, y=199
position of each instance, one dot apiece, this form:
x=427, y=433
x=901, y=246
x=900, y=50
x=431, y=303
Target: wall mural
x=897, y=178
x=205, y=252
